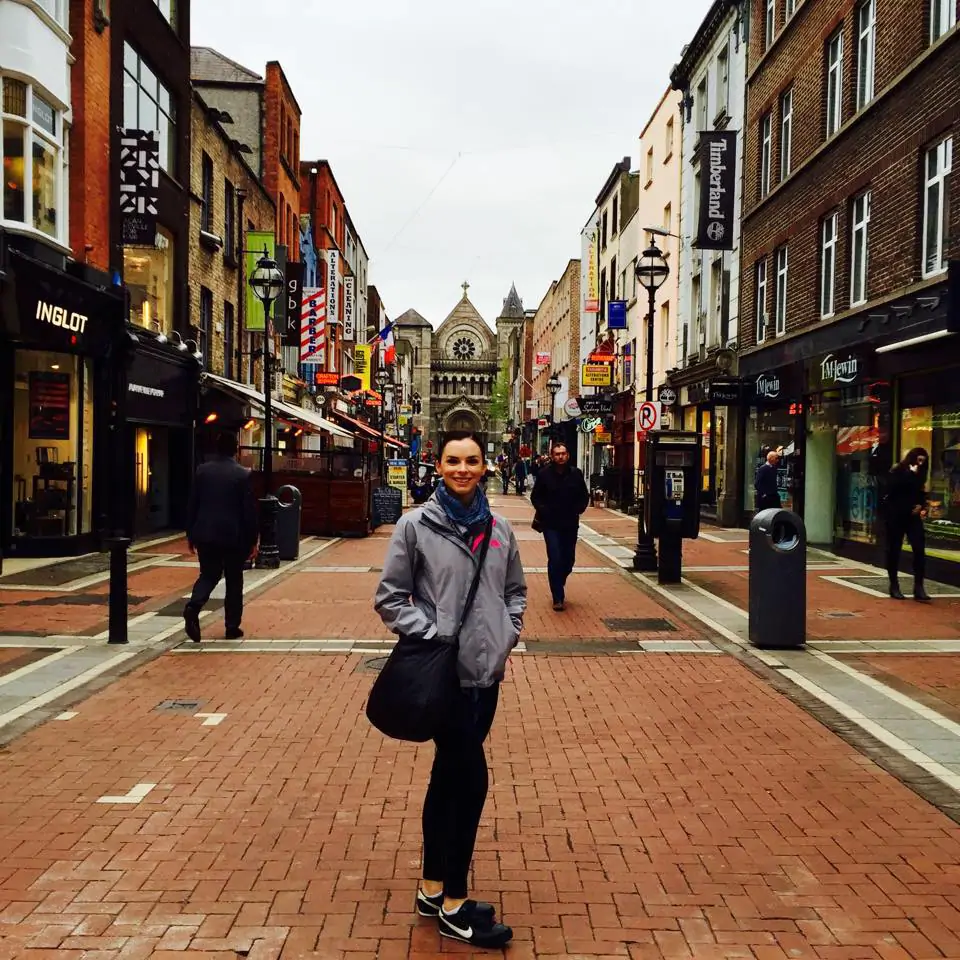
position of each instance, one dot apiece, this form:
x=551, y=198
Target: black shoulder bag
x=412, y=697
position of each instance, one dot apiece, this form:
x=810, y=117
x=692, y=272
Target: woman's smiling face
x=462, y=467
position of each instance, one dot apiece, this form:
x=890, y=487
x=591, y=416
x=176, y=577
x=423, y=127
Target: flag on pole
x=385, y=336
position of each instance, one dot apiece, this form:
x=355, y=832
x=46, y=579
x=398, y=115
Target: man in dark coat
x=765, y=483
x=559, y=496
x=222, y=528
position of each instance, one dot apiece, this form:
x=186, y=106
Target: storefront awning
x=308, y=418
x=371, y=432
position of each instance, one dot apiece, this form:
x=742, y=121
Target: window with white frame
x=789, y=8
x=168, y=8
x=702, y=96
x=34, y=159
x=761, y=310
x=770, y=22
x=866, y=51
x=786, y=133
x=147, y=105
x=649, y=164
x=765, y=149
x=859, y=258
x=780, y=307
x=828, y=264
x=723, y=80
x=943, y=17
x=834, y=83
x=936, y=206
x=668, y=138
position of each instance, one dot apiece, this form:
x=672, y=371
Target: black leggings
x=457, y=791
x=911, y=527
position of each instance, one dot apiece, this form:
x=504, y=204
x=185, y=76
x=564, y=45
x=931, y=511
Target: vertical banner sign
x=256, y=245
x=349, y=306
x=589, y=272
x=293, y=277
x=279, y=312
x=139, y=185
x=313, y=326
x=718, y=165
x=361, y=364
x=333, y=277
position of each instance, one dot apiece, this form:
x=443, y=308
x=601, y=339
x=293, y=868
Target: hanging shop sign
x=293, y=276
x=361, y=364
x=139, y=185
x=725, y=390
x=332, y=286
x=617, y=315
x=543, y=358
x=349, y=309
x=313, y=325
x=602, y=436
x=718, y=162
x=589, y=271
x=596, y=375
x=596, y=406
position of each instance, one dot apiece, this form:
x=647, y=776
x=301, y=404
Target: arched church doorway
x=462, y=420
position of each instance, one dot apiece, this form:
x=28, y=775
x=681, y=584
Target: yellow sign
x=397, y=477
x=596, y=375
x=602, y=436
x=361, y=364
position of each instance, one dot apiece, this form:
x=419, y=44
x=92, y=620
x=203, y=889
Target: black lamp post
x=651, y=272
x=267, y=283
x=383, y=378
x=553, y=385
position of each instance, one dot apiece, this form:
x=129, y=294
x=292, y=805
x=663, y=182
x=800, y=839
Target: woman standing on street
x=906, y=511
x=432, y=558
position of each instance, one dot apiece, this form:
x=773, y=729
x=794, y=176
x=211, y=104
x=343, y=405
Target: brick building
x=849, y=302
x=228, y=201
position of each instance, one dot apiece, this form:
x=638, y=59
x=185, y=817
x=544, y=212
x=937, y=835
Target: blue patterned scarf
x=470, y=516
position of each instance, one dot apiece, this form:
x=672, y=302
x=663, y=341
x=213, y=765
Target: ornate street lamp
x=553, y=385
x=267, y=283
x=383, y=379
x=651, y=271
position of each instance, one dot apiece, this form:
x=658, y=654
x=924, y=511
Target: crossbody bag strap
x=475, y=583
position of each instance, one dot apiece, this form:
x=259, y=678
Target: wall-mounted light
x=211, y=418
x=249, y=424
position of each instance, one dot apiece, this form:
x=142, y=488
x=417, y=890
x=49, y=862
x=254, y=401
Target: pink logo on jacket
x=494, y=543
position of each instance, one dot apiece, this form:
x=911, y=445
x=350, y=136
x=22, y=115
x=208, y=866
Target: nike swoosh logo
x=465, y=933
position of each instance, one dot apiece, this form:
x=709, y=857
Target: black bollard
x=670, y=562
x=268, y=553
x=118, y=588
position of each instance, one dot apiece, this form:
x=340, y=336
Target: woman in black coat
x=906, y=510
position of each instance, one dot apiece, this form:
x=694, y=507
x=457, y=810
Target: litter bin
x=778, y=580
x=288, y=522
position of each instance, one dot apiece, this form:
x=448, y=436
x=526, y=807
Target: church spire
x=512, y=305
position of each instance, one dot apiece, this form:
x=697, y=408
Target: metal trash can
x=778, y=580
x=288, y=522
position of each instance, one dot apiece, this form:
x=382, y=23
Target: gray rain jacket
x=426, y=576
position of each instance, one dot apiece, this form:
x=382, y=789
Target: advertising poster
x=49, y=405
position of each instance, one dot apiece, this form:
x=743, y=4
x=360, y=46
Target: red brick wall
x=89, y=138
x=881, y=148
x=281, y=156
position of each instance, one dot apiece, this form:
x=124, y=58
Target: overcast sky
x=469, y=139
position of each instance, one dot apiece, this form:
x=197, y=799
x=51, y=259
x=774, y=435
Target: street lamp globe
x=652, y=270
x=553, y=385
x=266, y=280
x=383, y=378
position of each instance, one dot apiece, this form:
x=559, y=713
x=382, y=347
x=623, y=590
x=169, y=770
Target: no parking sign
x=648, y=416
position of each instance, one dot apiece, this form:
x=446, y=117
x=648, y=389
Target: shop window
x=936, y=428
x=943, y=17
x=828, y=264
x=834, y=91
x=148, y=274
x=770, y=428
x=859, y=254
x=52, y=444
x=33, y=160
x=936, y=206
x=147, y=105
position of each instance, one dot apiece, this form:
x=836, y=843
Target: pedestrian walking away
x=505, y=472
x=765, y=483
x=222, y=529
x=906, y=508
x=520, y=476
x=559, y=496
x=432, y=559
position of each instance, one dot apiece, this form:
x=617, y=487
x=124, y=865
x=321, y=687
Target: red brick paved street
x=642, y=806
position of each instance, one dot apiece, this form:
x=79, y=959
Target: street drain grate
x=188, y=706
x=650, y=625
x=839, y=615
x=372, y=664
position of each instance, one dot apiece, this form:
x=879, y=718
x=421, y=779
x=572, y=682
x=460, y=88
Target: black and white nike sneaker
x=473, y=926
x=430, y=906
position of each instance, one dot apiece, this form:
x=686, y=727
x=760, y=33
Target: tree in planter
x=500, y=398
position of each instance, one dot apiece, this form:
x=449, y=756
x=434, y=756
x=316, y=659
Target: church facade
x=455, y=368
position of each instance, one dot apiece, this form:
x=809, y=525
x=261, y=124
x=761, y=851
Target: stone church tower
x=456, y=367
